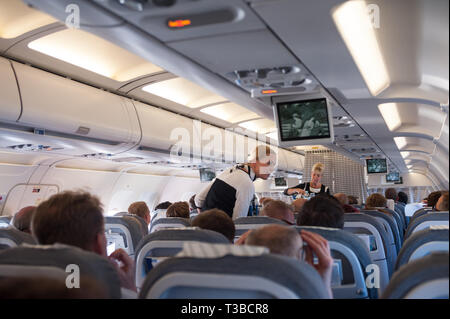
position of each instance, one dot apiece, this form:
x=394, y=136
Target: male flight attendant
x=233, y=190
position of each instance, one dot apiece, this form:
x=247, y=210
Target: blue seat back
x=423, y=278
x=422, y=243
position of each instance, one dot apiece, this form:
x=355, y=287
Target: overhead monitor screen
x=376, y=165
x=207, y=174
x=393, y=177
x=280, y=182
x=303, y=121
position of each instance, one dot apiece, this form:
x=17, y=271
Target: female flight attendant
x=314, y=186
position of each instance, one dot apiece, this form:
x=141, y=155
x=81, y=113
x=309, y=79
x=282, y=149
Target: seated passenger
x=377, y=202
x=433, y=198
x=178, y=209
x=352, y=200
x=140, y=209
x=402, y=200
x=160, y=210
x=192, y=207
x=298, y=204
x=343, y=200
x=163, y=205
x=442, y=203
x=286, y=241
x=76, y=218
x=264, y=201
x=22, y=219
x=216, y=220
x=279, y=210
x=322, y=211
x=391, y=197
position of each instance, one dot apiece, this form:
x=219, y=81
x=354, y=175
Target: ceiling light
x=230, y=112
x=391, y=115
x=183, y=92
x=405, y=154
x=93, y=53
x=409, y=166
x=400, y=142
x=262, y=126
x=354, y=24
x=16, y=19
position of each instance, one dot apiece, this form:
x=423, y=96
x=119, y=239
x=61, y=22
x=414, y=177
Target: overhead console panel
x=185, y=19
x=88, y=13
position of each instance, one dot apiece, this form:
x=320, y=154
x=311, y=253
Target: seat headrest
x=60, y=256
x=207, y=250
x=131, y=223
x=16, y=236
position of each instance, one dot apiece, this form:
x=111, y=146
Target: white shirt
x=238, y=180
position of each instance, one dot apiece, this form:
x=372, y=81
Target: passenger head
x=264, y=200
x=279, y=239
x=178, y=209
x=442, y=203
x=321, y=211
x=298, y=204
x=22, y=219
x=163, y=205
x=192, y=205
x=263, y=161
x=71, y=218
x=342, y=198
x=279, y=210
x=216, y=220
x=402, y=197
x=376, y=200
x=433, y=198
x=352, y=200
x=391, y=193
x=317, y=172
x=140, y=209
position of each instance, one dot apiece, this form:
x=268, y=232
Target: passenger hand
x=298, y=191
x=125, y=268
x=243, y=238
x=319, y=246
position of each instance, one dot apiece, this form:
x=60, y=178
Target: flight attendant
x=314, y=186
x=233, y=190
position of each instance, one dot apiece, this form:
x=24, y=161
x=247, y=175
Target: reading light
x=354, y=24
x=391, y=115
x=261, y=126
x=93, y=53
x=230, y=112
x=405, y=154
x=400, y=142
x=183, y=92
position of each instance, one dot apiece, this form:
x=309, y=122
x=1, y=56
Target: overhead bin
x=59, y=107
x=162, y=129
x=10, y=99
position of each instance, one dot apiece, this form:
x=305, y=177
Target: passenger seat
x=11, y=237
x=52, y=261
x=212, y=271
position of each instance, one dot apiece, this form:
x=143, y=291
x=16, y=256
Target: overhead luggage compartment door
x=10, y=99
x=73, y=110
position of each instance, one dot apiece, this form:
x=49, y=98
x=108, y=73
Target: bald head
x=281, y=240
x=342, y=198
x=279, y=210
x=22, y=219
